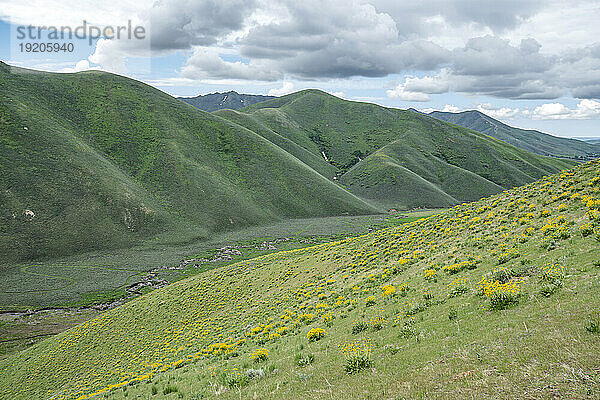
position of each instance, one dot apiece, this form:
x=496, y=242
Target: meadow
x=68, y=281
x=66, y=292
x=491, y=299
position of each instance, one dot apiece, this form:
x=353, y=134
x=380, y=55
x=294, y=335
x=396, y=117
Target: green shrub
x=359, y=326
x=593, y=323
x=416, y=308
x=357, y=355
x=503, y=300
x=452, y=314
x=233, y=379
x=357, y=363
x=304, y=360
x=170, y=389
x=316, y=334
x=503, y=274
x=552, y=277
x=408, y=328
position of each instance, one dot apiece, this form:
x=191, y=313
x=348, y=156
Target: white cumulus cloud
x=286, y=88
x=400, y=93
x=419, y=89
x=81, y=65
x=585, y=109
x=497, y=112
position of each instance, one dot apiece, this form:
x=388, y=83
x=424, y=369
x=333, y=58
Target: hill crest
x=348, y=134
x=104, y=161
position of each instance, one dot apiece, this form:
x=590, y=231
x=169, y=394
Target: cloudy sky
x=533, y=64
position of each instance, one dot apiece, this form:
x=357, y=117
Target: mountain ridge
x=226, y=100
x=347, y=133
x=527, y=139
x=103, y=161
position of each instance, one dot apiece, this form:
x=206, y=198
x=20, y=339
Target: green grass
x=538, y=346
x=105, y=162
x=100, y=276
x=23, y=291
x=280, y=135
x=18, y=332
x=394, y=158
x=59, y=285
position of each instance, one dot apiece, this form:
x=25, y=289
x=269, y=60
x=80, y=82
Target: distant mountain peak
x=224, y=100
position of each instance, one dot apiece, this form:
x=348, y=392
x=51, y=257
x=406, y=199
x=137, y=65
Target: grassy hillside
x=491, y=299
x=395, y=158
x=84, y=285
x=102, y=275
x=530, y=140
x=387, y=177
x=227, y=100
x=94, y=160
x=316, y=162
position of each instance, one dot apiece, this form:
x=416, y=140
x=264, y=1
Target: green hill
x=491, y=299
x=228, y=100
x=94, y=160
x=530, y=140
x=397, y=177
x=396, y=158
x=311, y=159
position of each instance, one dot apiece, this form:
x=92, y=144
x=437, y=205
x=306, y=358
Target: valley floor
x=41, y=299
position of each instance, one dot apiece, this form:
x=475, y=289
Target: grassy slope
x=74, y=280
x=536, y=348
x=415, y=160
x=316, y=162
x=384, y=179
x=27, y=290
x=104, y=161
x=530, y=140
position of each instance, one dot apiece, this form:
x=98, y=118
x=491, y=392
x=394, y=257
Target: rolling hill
x=530, y=140
x=98, y=161
x=491, y=299
x=227, y=100
x=94, y=160
x=392, y=158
